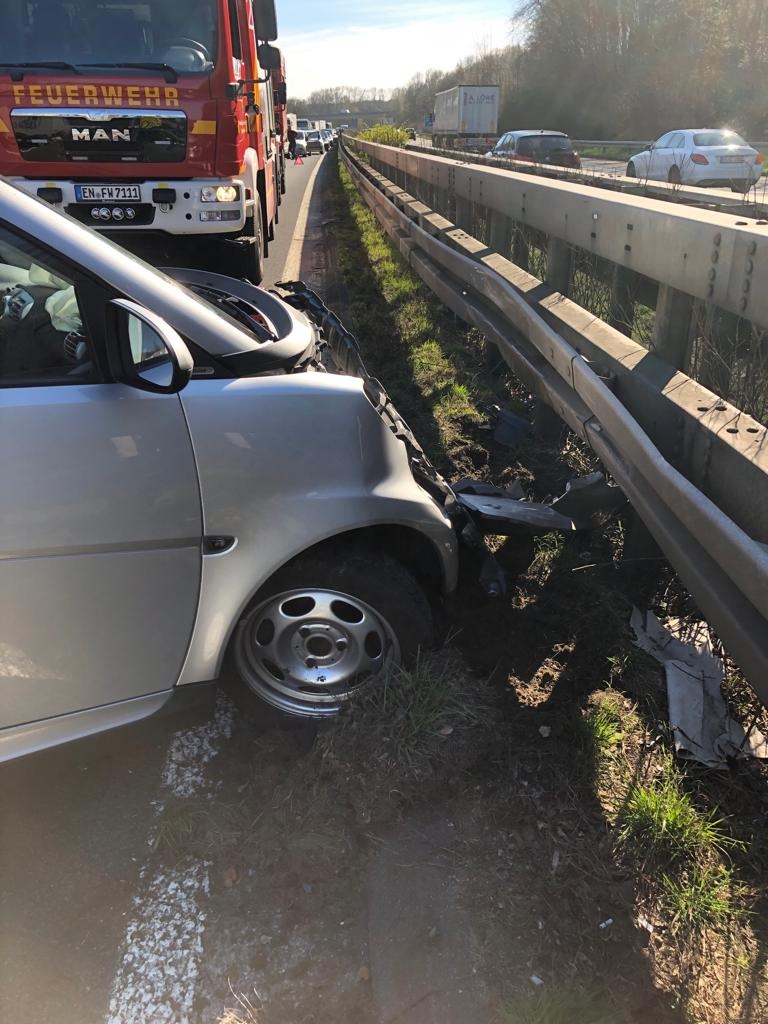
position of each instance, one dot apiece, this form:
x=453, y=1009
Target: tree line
x=613, y=69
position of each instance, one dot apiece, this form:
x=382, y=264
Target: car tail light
x=575, y=159
x=699, y=158
x=759, y=158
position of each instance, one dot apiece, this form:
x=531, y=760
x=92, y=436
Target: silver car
x=182, y=479
x=315, y=142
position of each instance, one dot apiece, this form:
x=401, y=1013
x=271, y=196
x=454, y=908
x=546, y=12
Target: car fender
x=286, y=462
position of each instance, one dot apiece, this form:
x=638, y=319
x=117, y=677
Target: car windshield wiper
x=171, y=74
x=237, y=308
x=17, y=69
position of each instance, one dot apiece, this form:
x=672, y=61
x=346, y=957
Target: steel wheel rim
x=306, y=651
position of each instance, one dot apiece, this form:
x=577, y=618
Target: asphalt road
x=297, y=179
x=93, y=928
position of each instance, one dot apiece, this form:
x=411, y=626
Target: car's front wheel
x=631, y=171
x=325, y=627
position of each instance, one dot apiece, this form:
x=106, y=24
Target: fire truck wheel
x=253, y=254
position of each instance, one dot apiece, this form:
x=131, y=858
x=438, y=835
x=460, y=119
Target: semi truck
x=466, y=117
x=147, y=118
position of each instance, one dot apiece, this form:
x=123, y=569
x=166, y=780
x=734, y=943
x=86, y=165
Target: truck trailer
x=466, y=117
x=147, y=118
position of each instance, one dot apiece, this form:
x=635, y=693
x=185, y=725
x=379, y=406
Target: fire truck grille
x=92, y=135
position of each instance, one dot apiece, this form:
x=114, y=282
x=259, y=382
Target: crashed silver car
x=181, y=477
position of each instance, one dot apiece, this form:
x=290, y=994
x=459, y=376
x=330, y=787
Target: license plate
x=731, y=159
x=107, y=193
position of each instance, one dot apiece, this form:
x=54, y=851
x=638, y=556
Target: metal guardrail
x=754, y=205
x=695, y=468
x=716, y=257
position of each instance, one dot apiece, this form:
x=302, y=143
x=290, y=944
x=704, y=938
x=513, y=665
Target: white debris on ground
x=703, y=729
x=156, y=980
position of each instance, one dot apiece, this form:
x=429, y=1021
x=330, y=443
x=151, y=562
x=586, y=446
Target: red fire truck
x=147, y=117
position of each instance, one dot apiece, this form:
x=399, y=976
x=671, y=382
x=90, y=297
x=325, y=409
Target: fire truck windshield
x=148, y=34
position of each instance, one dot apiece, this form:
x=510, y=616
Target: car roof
x=700, y=131
x=536, y=131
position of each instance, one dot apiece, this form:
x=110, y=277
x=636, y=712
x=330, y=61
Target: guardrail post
x=559, y=265
x=499, y=232
x=672, y=326
x=463, y=217
x=621, y=309
x=719, y=331
x=520, y=249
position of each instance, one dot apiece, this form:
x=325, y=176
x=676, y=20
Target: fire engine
x=148, y=117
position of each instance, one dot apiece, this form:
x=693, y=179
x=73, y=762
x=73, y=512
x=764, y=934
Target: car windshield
x=540, y=145
x=718, y=138
x=179, y=33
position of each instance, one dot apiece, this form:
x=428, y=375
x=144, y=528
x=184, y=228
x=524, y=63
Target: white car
x=699, y=156
x=180, y=480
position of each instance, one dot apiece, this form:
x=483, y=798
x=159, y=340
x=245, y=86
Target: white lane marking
x=156, y=979
x=292, y=267
x=192, y=749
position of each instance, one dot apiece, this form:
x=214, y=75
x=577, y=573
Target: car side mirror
x=149, y=354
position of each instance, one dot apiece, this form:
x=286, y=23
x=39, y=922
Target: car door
x=678, y=156
x=100, y=516
x=658, y=159
x=501, y=149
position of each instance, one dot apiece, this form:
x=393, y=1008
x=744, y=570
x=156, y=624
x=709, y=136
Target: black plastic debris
x=510, y=429
x=500, y=516
x=587, y=502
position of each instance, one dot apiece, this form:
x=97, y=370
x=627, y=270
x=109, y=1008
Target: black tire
x=285, y=670
x=741, y=188
x=674, y=177
x=631, y=170
x=252, y=260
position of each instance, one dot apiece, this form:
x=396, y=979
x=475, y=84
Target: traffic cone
x=297, y=160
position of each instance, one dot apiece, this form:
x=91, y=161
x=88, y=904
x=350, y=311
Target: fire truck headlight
x=219, y=194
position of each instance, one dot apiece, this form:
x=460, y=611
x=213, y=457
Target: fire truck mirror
x=269, y=57
x=281, y=94
x=266, y=20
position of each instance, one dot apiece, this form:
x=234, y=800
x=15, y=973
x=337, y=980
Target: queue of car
x=687, y=156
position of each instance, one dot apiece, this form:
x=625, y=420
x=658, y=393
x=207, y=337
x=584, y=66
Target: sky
x=357, y=42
